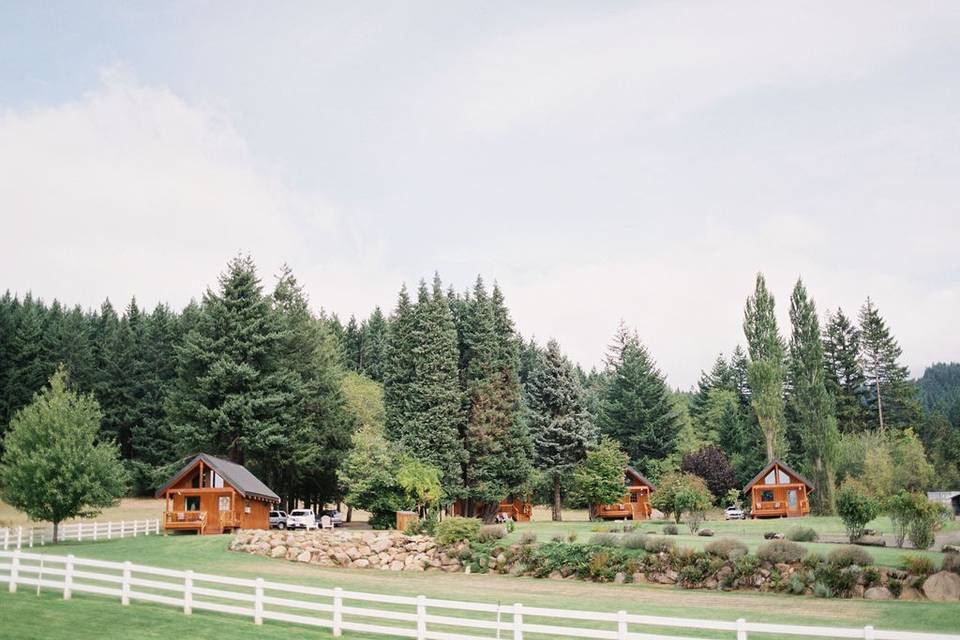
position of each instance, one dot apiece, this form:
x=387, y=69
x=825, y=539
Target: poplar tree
x=845, y=380
x=765, y=373
x=891, y=398
x=811, y=403
x=559, y=423
x=636, y=409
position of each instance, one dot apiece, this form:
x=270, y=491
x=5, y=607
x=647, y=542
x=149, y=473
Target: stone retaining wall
x=386, y=550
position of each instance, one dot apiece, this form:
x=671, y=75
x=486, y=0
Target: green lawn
x=24, y=615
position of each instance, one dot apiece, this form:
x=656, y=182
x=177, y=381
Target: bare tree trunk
x=349, y=513
x=556, y=515
x=769, y=435
x=879, y=405
x=56, y=532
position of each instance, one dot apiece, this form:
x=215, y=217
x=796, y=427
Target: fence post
x=96, y=527
x=79, y=532
x=6, y=539
x=517, y=621
x=68, y=579
x=421, y=617
x=621, y=625
x=110, y=530
x=188, y=592
x=741, y=629
x=31, y=537
x=19, y=536
x=123, y=525
x=868, y=633
x=337, y=612
x=258, y=602
x=125, y=585
x=134, y=528
x=14, y=570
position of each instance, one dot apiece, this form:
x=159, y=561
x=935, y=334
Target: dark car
x=334, y=516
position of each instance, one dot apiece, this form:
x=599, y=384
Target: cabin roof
x=642, y=478
x=776, y=462
x=236, y=475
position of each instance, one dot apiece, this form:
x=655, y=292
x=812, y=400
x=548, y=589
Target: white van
x=302, y=519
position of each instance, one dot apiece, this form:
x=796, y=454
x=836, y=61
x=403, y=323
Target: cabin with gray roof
x=211, y=495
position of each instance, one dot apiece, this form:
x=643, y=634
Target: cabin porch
x=779, y=501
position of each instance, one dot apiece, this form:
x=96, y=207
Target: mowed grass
x=128, y=509
x=24, y=615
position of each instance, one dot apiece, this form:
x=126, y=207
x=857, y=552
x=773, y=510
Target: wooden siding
x=221, y=509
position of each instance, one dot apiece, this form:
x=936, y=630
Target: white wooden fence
x=408, y=617
x=20, y=537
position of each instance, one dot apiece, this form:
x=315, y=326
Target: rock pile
x=385, y=550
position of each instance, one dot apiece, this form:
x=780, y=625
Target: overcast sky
x=600, y=160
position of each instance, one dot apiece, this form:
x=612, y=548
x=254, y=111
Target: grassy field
x=128, y=509
x=24, y=615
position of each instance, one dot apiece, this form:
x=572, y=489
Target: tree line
x=444, y=401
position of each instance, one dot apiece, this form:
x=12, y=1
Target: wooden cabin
x=635, y=504
x=518, y=509
x=211, y=495
x=778, y=492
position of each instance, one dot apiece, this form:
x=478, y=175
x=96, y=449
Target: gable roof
x=639, y=476
x=782, y=465
x=237, y=476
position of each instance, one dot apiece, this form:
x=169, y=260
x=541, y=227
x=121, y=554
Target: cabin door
x=793, y=503
x=636, y=506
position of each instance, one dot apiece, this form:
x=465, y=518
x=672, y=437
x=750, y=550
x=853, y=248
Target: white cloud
x=131, y=190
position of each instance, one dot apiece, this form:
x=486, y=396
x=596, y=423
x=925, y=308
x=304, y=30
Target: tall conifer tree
x=891, y=397
x=845, y=380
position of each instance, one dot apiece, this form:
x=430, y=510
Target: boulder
x=910, y=593
x=705, y=532
x=362, y=563
x=304, y=556
x=942, y=586
x=870, y=541
x=878, y=593
x=381, y=545
x=620, y=578
x=951, y=548
x=278, y=551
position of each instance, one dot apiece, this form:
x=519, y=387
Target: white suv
x=733, y=512
x=302, y=519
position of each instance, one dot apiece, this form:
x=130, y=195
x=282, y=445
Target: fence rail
x=398, y=616
x=20, y=537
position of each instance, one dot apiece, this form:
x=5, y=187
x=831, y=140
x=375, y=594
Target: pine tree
x=427, y=419
x=845, y=381
x=765, y=372
x=398, y=372
x=891, y=397
x=811, y=403
x=353, y=345
x=636, y=409
x=374, y=345
x=497, y=445
x=720, y=376
x=231, y=397
x=559, y=423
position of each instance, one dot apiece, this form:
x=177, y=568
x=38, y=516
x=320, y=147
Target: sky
x=601, y=161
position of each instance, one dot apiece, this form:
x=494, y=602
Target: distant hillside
x=940, y=390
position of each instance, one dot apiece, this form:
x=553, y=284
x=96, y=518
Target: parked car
x=302, y=519
x=334, y=515
x=277, y=519
x=734, y=512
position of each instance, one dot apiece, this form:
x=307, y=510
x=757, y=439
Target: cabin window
x=633, y=496
x=246, y=506
x=784, y=478
x=195, y=483
x=771, y=478
x=766, y=496
x=224, y=503
x=627, y=480
x=192, y=503
x=215, y=480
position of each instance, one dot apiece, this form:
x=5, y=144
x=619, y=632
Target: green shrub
x=634, y=541
x=895, y=586
x=821, y=590
x=813, y=560
x=557, y=537
x=455, y=529
x=928, y=518
x=951, y=562
x=726, y=548
x=849, y=555
x=745, y=566
x=572, y=537
x=797, y=585
x=382, y=520
x=605, y=540
x=840, y=580
x=871, y=576
x=918, y=565
x=600, y=567
x=856, y=507
x=778, y=551
x=671, y=530
x=660, y=545
x=528, y=537
x=491, y=532
x=802, y=534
